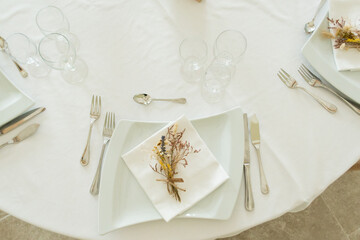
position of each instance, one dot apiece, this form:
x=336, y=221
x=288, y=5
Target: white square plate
x=318, y=51
x=122, y=202
x=13, y=102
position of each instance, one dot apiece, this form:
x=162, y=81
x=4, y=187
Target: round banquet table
x=132, y=47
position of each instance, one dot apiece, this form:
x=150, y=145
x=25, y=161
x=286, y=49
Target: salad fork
x=314, y=81
x=95, y=111
x=290, y=82
x=109, y=126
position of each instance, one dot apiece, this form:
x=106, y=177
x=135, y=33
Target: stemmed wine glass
x=52, y=20
x=23, y=50
x=193, y=53
x=73, y=69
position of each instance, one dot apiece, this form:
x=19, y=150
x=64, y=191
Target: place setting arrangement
x=185, y=168
x=332, y=50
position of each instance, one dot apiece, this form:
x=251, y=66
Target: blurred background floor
x=335, y=215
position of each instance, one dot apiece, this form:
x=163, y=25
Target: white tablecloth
x=132, y=47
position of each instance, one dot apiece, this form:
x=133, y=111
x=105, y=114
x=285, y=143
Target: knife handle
x=263, y=183
x=14, y=125
x=249, y=200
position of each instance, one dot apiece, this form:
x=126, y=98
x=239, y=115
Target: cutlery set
x=313, y=81
x=109, y=126
x=25, y=133
x=255, y=140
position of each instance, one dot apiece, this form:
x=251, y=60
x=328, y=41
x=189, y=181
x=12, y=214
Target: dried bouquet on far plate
x=346, y=35
x=170, y=152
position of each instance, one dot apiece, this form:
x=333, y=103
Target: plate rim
x=25, y=99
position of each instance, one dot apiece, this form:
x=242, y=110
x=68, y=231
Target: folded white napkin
x=201, y=176
x=346, y=60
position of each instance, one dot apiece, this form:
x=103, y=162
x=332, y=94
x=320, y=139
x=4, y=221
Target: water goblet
x=217, y=77
x=23, y=50
x=73, y=69
x=230, y=45
x=52, y=20
x=193, y=53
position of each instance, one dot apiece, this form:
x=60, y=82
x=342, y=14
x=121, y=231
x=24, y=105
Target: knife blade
x=23, y=134
x=255, y=140
x=249, y=200
x=20, y=120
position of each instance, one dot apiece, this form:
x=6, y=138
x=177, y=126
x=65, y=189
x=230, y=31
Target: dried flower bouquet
x=346, y=35
x=169, y=152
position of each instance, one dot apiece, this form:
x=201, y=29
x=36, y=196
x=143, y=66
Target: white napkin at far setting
x=201, y=176
x=346, y=60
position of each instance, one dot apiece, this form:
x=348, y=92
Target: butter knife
x=249, y=199
x=255, y=140
x=20, y=120
x=23, y=134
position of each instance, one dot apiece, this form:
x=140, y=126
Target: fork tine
x=285, y=72
x=105, y=122
x=281, y=78
x=306, y=72
x=92, y=104
x=99, y=105
x=306, y=78
x=113, y=122
x=313, y=75
x=285, y=79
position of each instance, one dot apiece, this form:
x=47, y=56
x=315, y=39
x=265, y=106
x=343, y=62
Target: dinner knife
x=255, y=140
x=249, y=200
x=20, y=120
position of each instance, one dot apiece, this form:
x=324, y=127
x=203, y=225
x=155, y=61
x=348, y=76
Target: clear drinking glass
x=52, y=20
x=73, y=69
x=193, y=53
x=23, y=50
x=230, y=45
x=217, y=77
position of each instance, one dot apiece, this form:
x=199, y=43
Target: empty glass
x=230, y=45
x=52, y=20
x=217, y=77
x=73, y=69
x=24, y=51
x=193, y=53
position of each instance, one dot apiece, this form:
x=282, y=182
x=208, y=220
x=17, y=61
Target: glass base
x=37, y=68
x=76, y=72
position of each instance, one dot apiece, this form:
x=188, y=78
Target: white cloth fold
x=346, y=60
x=201, y=176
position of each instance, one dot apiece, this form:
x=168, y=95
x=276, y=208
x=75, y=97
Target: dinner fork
x=109, y=126
x=314, y=81
x=290, y=82
x=95, y=111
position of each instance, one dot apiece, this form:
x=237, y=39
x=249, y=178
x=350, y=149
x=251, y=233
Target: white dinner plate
x=319, y=53
x=122, y=202
x=13, y=102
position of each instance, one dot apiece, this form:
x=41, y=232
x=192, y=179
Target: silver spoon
x=27, y=132
x=3, y=44
x=310, y=26
x=145, y=99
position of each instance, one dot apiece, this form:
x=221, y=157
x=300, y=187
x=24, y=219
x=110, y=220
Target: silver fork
x=314, y=81
x=290, y=82
x=95, y=111
x=109, y=126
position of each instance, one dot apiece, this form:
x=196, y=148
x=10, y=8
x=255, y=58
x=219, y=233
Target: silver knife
x=24, y=134
x=255, y=140
x=249, y=200
x=20, y=120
